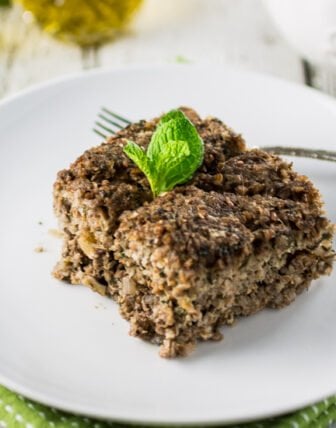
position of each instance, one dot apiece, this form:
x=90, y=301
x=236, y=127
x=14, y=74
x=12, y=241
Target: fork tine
x=116, y=116
x=111, y=122
x=106, y=128
x=99, y=133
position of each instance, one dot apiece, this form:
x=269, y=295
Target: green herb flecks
x=173, y=155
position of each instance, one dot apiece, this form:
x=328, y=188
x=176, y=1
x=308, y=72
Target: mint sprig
x=174, y=153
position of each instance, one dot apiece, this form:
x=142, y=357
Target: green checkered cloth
x=19, y=412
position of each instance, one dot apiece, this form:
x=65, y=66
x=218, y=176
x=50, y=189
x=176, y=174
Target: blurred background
x=43, y=39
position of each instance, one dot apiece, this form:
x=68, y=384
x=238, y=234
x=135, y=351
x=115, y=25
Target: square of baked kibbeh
x=245, y=233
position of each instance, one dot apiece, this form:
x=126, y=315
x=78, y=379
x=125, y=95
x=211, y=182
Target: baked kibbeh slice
x=191, y=261
x=103, y=182
x=245, y=232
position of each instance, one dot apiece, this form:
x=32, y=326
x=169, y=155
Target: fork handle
x=305, y=153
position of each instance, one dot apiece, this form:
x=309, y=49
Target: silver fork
x=109, y=123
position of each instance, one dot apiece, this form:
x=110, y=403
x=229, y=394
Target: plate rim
x=90, y=411
x=68, y=77
x=85, y=411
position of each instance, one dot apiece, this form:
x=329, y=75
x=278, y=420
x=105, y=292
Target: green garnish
x=180, y=59
x=173, y=154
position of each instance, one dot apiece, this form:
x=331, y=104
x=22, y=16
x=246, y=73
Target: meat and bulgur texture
x=247, y=232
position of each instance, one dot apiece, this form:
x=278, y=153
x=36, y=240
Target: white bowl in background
x=309, y=26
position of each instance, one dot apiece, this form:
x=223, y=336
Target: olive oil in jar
x=86, y=22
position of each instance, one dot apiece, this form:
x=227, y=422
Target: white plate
x=68, y=347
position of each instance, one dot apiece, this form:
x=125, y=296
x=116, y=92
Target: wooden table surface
x=238, y=32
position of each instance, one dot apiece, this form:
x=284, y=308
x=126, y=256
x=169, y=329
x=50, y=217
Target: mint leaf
x=137, y=155
x=173, y=154
x=170, y=166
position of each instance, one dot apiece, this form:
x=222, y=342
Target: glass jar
x=86, y=22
